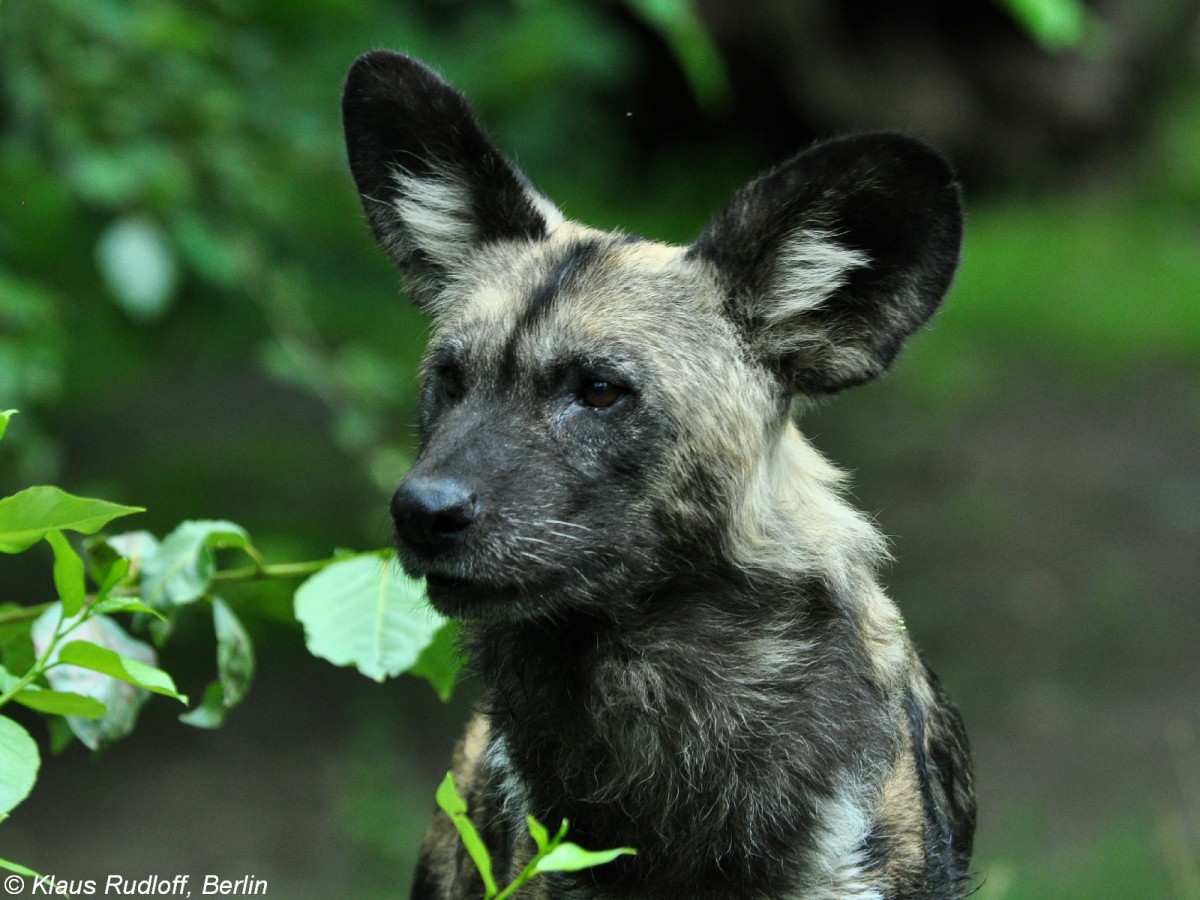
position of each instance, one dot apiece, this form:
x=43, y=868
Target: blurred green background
x=193, y=318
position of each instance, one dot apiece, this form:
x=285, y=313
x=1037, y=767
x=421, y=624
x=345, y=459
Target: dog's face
x=593, y=405
x=563, y=392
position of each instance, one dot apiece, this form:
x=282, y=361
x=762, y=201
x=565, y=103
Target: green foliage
x=71, y=660
x=439, y=662
x=60, y=704
x=37, y=512
x=18, y=868
x=686, y=35
x=111, y=677
x=557, y=855
x=97, y=658
x=553, y=854
x=1057, y=24
x=453, y=805
x=235, y=669
x=1056, y=280
x=182, y=566
x=68, y=573
x=235, y=654
x=363, y=612
x=137, y=262
x=19, y=763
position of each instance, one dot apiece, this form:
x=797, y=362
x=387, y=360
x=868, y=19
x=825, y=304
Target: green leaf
x=448, y=797
x=122, y=700
x=18, y=868
x=19, y=763
x=110, y=605
x=5, y=416
x=134, y=546
x=561, y=833
x=117, y=572
x=183, y=566
x=27, y=516
x=68, y=573
x=440, y=662
x=455, y=807
x=681, y=27
x=540, y=835
x=135, y=257
x=235, y=654
x=363, y=612
x=568, y=857
x=211, y=712
x=107, y=567
x=87, y=655
x=1055, y=24
x=59, y=703
x=16, y=648
x=235, y=670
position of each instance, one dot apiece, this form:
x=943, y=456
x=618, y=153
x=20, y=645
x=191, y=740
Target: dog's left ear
x=434, y=187
x=833, y=259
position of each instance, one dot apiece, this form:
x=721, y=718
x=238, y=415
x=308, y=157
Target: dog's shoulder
x=445, y=870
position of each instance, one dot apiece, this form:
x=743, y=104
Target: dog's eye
x=600, y=394
x=450, y=383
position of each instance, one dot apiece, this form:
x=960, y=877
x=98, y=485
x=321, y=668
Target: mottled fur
x=674, y=612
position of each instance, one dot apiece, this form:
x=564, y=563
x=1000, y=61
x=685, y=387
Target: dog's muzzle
x=433, y=514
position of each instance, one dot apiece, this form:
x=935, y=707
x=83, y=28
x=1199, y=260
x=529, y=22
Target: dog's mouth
x=461, y=598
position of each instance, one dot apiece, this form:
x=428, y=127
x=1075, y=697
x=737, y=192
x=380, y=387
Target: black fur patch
x=938, y=840
x=401, y=118
x=631, y=729
x=424, y=886
x=886, y=195
x=541, y=300
x=952, y=775
x=571, y=266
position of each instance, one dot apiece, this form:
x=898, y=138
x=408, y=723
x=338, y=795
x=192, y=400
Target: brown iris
x=600, y=394
x=450, y=383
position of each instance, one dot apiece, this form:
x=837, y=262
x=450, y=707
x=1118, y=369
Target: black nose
x=432, y=514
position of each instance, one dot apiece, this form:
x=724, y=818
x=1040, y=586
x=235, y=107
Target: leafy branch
x=72, y=662
x=553, y=853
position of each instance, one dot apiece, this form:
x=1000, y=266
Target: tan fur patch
x=443, y=856
x=902, y=819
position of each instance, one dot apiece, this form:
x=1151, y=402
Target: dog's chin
x=459, y=598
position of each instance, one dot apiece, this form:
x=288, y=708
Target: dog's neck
x=634, y=730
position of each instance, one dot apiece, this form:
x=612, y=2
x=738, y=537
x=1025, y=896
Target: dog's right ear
x=433, y=186
x=835, y=258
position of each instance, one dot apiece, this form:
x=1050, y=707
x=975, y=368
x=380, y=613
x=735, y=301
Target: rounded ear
x=433, y=186
x=833, y=259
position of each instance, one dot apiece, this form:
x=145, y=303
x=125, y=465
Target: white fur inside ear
x=548, y=210
x=811, y=267
x=437, y=216
x=436, y=213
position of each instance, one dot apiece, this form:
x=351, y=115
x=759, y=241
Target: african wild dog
x=675, y=615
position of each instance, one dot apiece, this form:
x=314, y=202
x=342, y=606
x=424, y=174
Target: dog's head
x=595, y=408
